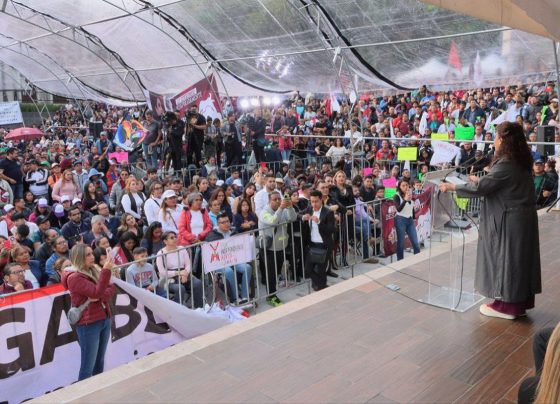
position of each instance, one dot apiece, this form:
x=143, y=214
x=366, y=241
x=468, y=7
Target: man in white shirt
x=261, y=197
x=322, y=226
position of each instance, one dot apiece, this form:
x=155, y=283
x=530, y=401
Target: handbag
x=75, y=313
x=317, y=255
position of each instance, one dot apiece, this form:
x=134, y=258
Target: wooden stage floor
x=366, y=344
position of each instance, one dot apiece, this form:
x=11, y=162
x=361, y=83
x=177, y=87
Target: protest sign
x=228, y=252
x=10, y=113
x=464, y=132
x=440, y=136
x=444, y=152
x=119, y=156
x=407, y=153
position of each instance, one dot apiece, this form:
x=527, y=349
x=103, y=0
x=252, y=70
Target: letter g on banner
x=23, y=342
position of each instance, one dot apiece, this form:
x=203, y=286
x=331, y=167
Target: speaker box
x=546, y=134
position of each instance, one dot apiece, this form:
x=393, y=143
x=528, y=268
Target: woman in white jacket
x=169, y=212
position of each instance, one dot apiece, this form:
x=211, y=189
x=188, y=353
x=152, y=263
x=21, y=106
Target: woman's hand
x=109, y=262
x=473, y=178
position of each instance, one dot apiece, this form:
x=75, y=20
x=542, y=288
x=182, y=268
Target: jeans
x=232, y=279
x=286, y=154
x=363, y=233
x=181, y=290
x=405, y=225
x=151, y=159
x=93, y=339
x=17, y=189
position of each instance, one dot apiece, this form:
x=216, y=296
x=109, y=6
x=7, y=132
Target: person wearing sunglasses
x=174, y=267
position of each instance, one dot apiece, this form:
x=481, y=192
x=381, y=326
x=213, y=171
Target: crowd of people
x=198, y=179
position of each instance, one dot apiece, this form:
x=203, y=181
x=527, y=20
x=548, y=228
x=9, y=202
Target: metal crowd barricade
x=287, y=271
x=468, y=208
x=359, y=234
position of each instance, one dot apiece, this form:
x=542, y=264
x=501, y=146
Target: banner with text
x=39, y=351
x=228, y=252
x=203, y=95
x=423, y=221
x=10, y=113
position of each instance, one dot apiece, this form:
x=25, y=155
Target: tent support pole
x=557, y=75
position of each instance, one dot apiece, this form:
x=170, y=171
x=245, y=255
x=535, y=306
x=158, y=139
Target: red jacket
x=82, y=287
x=186, y=237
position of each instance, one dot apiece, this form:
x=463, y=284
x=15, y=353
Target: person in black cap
x=545, y=185
x=38, y=237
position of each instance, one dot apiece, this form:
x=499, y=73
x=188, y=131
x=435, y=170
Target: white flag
x=423, y=123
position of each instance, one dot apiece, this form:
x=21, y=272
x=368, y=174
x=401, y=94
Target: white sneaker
x=490, y=312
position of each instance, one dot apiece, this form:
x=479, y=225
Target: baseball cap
x=238, y=182
x=76, y=162
x=554, y=100
x=53, y=165
x=279, y=180
x=220, y=183
x=8, y=207
x=59, y=211
x=42, y=203
x=539, y=161
x=168, y=194
x=76, y=200
x=41, y=219
x=65, y=198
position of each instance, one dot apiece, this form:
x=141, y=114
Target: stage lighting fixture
x=255, y=102
x=244, y=103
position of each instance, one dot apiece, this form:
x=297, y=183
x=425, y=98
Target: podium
x=452, y=250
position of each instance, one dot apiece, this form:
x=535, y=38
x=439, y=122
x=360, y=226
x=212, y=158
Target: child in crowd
x=141, y=273
x=418, y=188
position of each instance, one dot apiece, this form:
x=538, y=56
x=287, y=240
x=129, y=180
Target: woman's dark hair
x=150, y=230
x=241, y=203
x=250, y=184
x=514, y=145
x=148, y=236
x=127, y=236
x=167, y=234
x=98, y=253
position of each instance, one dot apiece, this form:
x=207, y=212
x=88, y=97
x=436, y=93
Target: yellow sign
x=407, y=154
x=440, y=136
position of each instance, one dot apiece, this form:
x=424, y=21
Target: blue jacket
x=41, y=275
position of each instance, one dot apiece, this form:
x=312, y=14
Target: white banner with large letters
x=10, y=113
x=228, y=252
x=39, y=351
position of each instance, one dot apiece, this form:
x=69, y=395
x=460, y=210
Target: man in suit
x=321, y=223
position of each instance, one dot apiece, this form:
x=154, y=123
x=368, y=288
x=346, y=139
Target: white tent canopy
x=114, y=50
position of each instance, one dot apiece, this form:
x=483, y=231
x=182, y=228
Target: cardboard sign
x=407, y=154
x=464, y=132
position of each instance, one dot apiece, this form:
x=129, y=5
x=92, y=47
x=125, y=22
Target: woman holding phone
x=404, y=219
x=89, y=284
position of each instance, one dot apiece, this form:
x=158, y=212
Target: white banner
x=228, y=252
x=10, y=113
x=39, y=351
x=444, y=152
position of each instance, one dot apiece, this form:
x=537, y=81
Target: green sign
x=390, y=192
x=464, y=132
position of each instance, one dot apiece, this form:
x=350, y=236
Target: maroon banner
x=423, y=221
x=203, y=95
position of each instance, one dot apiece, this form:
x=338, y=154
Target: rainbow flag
x=130, y=135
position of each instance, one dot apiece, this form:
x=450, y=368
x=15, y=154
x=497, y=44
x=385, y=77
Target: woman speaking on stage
x=508, y=267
